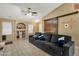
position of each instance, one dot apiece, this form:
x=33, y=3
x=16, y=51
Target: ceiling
x=13, y=10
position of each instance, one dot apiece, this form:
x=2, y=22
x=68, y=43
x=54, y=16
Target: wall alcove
x=21, y=31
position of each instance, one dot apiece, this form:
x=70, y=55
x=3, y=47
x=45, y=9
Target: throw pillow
x=36, y=37
x=61, y=41
x=41, y=37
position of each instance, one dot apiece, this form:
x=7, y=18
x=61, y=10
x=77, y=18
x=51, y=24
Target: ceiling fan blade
x=34, y=12
x=29, y=11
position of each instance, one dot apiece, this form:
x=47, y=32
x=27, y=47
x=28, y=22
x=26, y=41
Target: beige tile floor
x=24, y=48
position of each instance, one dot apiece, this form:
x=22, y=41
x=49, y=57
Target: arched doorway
x=21, y=31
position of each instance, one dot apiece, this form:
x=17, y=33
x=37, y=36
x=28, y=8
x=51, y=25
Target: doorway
x=21, y=31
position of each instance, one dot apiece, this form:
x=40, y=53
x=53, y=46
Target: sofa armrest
x=68, y=48
x=68, y=44
x=31, y=38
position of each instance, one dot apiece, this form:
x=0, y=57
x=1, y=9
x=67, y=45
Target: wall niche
x=21, y=31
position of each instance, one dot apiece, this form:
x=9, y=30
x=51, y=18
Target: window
x=6, y=28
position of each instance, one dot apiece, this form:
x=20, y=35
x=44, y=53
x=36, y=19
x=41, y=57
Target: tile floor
x=24, y=48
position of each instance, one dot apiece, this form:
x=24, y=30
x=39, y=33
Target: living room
x=21, y=22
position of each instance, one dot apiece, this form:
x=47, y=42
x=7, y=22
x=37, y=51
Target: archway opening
x=21, y=31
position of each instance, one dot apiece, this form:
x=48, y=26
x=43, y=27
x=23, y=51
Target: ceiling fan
x=29, y=12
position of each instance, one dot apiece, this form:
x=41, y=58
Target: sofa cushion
x=61, y=41
x=40, y=43
x=36, y=37
x=47, y=36
x=54, y=39
x=41, y=37
x=67, y=38
x=38, y=33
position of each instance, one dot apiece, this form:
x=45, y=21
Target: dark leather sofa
x=50, y=46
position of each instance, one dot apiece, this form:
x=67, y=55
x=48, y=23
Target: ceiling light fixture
x=29, y=12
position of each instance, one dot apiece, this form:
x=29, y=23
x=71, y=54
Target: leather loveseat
x=51, y=46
